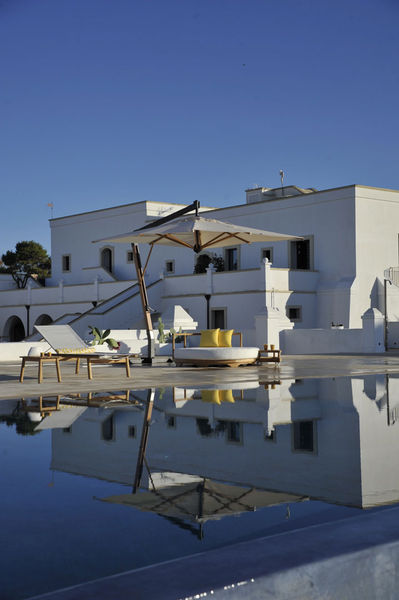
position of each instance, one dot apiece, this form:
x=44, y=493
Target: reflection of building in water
x=329, y=439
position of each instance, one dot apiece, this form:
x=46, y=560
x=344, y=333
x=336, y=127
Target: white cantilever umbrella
x=198, y=233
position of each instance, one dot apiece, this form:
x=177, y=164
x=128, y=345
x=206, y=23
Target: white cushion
x=233, y=353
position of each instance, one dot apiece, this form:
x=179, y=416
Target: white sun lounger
x=68, y=345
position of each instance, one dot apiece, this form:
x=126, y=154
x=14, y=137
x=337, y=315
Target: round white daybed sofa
x=211, y=357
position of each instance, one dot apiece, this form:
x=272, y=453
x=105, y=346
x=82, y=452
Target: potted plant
x=102, y=337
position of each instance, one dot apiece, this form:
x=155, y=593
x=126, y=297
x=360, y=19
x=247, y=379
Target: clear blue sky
x=105, y=102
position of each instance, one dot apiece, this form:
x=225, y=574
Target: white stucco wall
x=73, y=235
x=328, y=216
x=377, y=231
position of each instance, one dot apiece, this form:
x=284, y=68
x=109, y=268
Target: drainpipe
x=209, y=285
x=386, y=314
x=27, y=306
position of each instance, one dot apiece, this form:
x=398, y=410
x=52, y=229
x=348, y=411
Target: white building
x=332, y=277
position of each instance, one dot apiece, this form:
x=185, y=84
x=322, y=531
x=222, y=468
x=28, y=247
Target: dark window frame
x=172, y=263
x=293, y=319
x=270, y=250
x=221, y=309
x=299, y=258
x=66, y=263
x=228, y=262
x=298, y=440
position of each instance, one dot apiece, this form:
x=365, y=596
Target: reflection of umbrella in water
x=202, y=501
x=188, y=231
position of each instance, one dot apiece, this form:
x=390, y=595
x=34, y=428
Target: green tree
x=30, y=259
x=204, y=260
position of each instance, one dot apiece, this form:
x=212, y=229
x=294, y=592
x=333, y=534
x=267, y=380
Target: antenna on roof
x=282, y=181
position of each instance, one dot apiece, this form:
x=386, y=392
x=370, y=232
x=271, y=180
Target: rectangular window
x=132, y=431
x=301, y=254
x=170, y=266
x=66, y=263
x=231, y=259
x=107, y=429
x=267, y=253
x=129, y=256
x=203, y=427
x=171, y=422
x=234, y=433
x=294, y=313
x=304, y=433
x=218, y=318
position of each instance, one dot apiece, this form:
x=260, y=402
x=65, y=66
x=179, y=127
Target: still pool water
x=301, y=453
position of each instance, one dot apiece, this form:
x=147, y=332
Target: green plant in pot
x=102, y=337
x=161, y=331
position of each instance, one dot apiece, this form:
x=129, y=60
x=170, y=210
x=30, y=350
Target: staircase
x=118, y=312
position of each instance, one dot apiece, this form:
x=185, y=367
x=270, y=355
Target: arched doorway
x=43, y=320
x=106, y=259
x=14, y=330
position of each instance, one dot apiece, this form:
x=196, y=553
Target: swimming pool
x=210, y=467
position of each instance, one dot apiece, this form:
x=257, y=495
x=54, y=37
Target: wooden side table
x=269, y=355
x=43, y=358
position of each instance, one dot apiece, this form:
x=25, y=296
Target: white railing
x=237, y=281
x=392, y=275
x=63, y=293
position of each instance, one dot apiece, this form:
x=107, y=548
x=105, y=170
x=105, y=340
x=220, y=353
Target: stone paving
x=164, y=374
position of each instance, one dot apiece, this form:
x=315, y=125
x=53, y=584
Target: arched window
x=43, y=320
x=106, y=259
x=14, y=330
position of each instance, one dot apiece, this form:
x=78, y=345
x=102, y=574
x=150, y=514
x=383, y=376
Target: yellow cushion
x=209, y=338
x=226, y=396
x=210, y=396
x=225, y=338
x=75, y=350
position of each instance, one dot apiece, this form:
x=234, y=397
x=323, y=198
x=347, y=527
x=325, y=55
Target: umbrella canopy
x=201, y=501
x=198, y=233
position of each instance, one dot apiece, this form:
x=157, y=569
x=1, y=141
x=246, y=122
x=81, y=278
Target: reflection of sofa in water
x=211, y=356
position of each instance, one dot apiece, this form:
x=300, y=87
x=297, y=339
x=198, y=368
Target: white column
x=209, y=279
x=267, y=279
x=270, y=321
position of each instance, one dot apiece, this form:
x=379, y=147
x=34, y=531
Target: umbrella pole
x=144, y=303
x=208, y=316
x=144, y=439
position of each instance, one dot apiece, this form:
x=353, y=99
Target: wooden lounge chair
x=66, y=344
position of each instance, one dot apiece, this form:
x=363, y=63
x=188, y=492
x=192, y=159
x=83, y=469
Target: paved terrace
x=164, y=374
